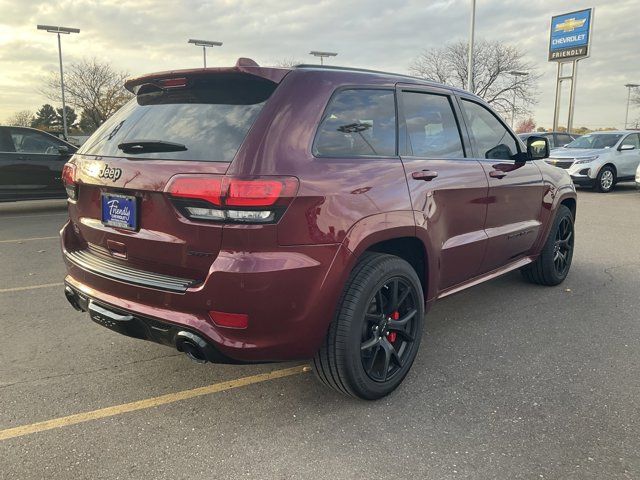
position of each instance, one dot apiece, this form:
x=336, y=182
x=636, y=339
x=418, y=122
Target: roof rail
x=379, y=72
x=354, y=69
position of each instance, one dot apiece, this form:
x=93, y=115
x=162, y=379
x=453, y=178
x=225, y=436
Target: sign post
x=570, y=41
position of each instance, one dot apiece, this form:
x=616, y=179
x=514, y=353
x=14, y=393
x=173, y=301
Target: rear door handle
x=426, y=175
x=497, y=174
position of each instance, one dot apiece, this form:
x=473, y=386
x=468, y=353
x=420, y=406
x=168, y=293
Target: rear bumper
x=141, y=327
x=289, y=295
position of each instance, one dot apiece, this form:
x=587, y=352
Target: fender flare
x=393, y=225
x=552, y=201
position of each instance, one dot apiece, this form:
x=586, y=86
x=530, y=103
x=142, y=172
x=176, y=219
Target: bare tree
x=91, y=86
x=287, y=62
x=22, y=118
x=491, y=66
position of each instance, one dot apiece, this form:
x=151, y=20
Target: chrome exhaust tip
x=72, y=299
x=192, y=346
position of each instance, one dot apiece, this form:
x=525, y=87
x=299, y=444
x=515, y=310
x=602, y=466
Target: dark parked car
x=31, y=164
x=252, y=214
x=556, y=139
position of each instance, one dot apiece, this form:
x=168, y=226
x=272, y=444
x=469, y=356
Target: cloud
x=148, y=35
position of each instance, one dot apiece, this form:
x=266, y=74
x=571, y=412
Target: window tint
x=6, y=142
x=633, y=140
x=358, y=123
x=432, y=131
x=210, y=118
x=28, y=141
x=490, y=137
x=563, y=140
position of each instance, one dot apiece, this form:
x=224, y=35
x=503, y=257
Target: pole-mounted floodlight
x=204, y=44
x=515, y=74
x=472, y=30
x=322, y=55
x=629, y=86
x=64, y=31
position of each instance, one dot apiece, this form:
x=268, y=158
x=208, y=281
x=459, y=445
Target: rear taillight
x=229, y=199
x=69, y=180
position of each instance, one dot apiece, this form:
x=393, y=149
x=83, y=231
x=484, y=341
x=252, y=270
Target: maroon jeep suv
x=251, y=214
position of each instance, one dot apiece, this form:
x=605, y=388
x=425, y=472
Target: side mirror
x=537, y=148
x=626, y=147
x=63, y=150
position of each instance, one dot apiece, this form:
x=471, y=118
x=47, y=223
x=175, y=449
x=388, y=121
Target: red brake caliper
x=392, y=335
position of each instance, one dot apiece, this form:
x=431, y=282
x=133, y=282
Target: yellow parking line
x=148, y=403
x=32, y=287
x=18, y=240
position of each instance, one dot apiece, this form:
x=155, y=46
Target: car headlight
x=586, y=160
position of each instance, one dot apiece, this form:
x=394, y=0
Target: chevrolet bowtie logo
x=569, y=25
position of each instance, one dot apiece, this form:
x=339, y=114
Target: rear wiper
x=149, y=146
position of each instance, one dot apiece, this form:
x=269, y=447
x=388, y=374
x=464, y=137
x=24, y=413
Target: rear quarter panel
x=334, y=193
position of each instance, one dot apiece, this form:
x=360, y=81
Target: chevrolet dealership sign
x=570, y=35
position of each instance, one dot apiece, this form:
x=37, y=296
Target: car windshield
x=595, y=140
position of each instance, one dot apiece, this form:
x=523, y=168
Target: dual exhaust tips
x=192, y=345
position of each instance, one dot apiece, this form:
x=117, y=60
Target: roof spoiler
x=243, y=65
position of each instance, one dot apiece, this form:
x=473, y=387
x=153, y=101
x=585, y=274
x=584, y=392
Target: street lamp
x=322, y=55
x=470, y=52
x=629, y=86
x=64, y=31
x=515, y=74
x=204, y=44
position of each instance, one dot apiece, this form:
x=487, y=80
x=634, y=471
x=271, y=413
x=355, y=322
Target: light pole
x=64, y=31
x=322, y=55
x=629, y=87
x=472, y=29
x=515, y=74
x=204, y=44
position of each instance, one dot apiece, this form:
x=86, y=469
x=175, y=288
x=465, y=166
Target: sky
x=143, y=36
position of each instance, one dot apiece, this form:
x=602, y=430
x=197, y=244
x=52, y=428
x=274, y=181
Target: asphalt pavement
x=512, y=381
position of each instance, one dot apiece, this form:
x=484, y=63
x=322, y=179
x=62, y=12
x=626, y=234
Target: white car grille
x=561, y=162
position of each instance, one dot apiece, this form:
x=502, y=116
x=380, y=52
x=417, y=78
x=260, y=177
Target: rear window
x=208, y=120
x=358, y=123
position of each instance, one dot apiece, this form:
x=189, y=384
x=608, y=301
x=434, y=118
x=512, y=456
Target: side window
x=27, y=141
x=563, y=140
x=6, y=141
x=633, y=139
x=358, y=122
x=490, y=137
x=432, y=130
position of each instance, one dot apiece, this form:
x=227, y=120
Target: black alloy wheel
x=388, y=332
x=563, y=246
x=375, y=335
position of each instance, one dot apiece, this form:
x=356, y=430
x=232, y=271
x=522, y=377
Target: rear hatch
x=179, y=123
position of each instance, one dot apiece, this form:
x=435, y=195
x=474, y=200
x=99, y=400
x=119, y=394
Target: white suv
x=600, y=159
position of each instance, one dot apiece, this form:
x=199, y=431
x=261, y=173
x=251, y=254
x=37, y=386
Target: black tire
x=363, y=317
x=549, y=268
x=606, y=179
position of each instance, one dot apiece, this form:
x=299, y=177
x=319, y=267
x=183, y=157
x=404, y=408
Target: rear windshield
x=206, y=121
